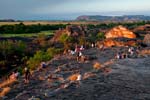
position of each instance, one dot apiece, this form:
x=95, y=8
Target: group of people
x=78, y=52
x=27, y=74
x=15, y=74
x=126, y=54
x=121, y=55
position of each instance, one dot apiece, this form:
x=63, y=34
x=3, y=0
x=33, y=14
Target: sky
x=70, y=9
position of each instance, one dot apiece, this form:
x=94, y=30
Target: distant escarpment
x=113, y=18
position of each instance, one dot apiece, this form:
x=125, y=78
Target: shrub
x=82, y=41
x=100, y=35
x=65, y=39
x=40, y=56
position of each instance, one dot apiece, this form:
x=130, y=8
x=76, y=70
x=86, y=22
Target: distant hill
x=113, y=18
x=7, y=20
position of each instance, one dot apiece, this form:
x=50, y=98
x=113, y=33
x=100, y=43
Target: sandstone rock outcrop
x=71, y=30
x=116, y=42
x=110, y=43
x=120, y=32
x=146, y=40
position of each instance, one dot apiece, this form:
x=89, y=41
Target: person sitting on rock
x=12, y=76
x=79, y=78
x=81, y=48
x=43, y=64
x=72, y=52
x=123, y=55
x=131, y=51
x=80, y=54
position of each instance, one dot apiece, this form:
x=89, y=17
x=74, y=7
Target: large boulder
x=146, y=40
x=120, y=32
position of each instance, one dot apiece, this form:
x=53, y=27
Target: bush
x=82, y=41
x=40, y=56
x=100, y=36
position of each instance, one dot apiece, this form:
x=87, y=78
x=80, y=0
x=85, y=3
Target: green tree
x=91, y=38
x=100, y=35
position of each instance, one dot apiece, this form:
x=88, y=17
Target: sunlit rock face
x=119, y=32
x=113, y=42
x=110, y=43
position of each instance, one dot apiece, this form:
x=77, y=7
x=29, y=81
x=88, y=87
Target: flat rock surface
x=129, y=79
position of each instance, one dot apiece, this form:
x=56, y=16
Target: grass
x=47, y=33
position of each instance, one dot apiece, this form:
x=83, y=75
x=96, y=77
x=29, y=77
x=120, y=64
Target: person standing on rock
x=92, y=45
x=27, y=75
x=78, y=57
